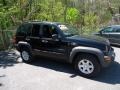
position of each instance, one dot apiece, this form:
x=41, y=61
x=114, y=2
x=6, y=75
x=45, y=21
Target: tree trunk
x=4, y=3
x=65, y=11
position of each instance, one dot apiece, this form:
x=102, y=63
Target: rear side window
x=24, y=29
x=36, y=30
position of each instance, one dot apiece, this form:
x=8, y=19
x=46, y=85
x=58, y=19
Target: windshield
x=68, y=30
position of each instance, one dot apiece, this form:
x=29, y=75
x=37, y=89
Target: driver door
x=52, y=47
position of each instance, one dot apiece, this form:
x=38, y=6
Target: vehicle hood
x=91, y=38
x=90, y=41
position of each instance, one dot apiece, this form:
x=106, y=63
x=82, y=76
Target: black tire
x=87, y=70
x=28, y=52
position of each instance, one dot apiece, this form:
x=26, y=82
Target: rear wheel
x=26, y=55
x=87, y=65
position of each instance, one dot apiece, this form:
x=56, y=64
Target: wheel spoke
x=90, y=66
x=81, y=66
x=83, y=62
x=88, y=63
x=84, y=70
x=88, y=69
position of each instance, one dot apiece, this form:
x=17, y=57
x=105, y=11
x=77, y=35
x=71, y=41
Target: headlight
x=108, y=42
x=106, y=49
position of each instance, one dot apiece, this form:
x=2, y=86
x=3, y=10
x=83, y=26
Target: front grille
x=109, y=48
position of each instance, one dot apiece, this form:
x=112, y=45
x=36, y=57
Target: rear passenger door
x=34, y=38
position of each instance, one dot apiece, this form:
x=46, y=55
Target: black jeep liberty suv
x=88, y=54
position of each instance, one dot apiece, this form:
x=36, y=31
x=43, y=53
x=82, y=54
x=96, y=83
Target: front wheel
x=87, y=65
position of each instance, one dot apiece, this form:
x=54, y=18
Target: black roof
x=47, y=22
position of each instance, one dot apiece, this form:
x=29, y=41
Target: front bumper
x=109, y=58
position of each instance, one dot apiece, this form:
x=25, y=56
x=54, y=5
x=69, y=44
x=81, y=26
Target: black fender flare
x=23, y=44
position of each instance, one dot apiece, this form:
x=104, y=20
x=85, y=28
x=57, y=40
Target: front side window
x=107, y=30
x=48, y=31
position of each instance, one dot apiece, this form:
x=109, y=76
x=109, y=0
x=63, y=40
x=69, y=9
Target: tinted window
x=36, y=30
x=118, y=30
x=107, y=30
x=24, y=29
x=48, y=31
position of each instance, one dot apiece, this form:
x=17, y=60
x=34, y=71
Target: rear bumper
x=16, y=46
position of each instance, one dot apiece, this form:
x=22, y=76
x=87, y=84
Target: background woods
x=87, y=15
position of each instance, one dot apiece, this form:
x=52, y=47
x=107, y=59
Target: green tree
x=72, y=15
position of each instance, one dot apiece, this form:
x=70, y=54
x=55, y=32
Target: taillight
x=14, y=40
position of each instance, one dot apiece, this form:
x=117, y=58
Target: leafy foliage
x=72, y=15
x=87, y=15
x=83, y=13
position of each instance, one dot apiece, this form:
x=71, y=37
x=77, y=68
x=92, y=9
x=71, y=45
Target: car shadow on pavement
x=54, y=65
x=1, y=84
x=110, y=75
x=1, y=76
x=118, y=46
x=8, y=59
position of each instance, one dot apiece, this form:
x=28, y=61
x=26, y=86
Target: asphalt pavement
x=45, y=74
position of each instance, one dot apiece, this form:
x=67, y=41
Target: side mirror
x=55, y=37
x=100, y=32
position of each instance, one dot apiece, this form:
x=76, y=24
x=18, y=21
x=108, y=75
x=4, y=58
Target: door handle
x=44, y=41
x=27, y=39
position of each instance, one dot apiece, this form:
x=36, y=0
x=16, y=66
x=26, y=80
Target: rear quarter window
x=24, y=29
